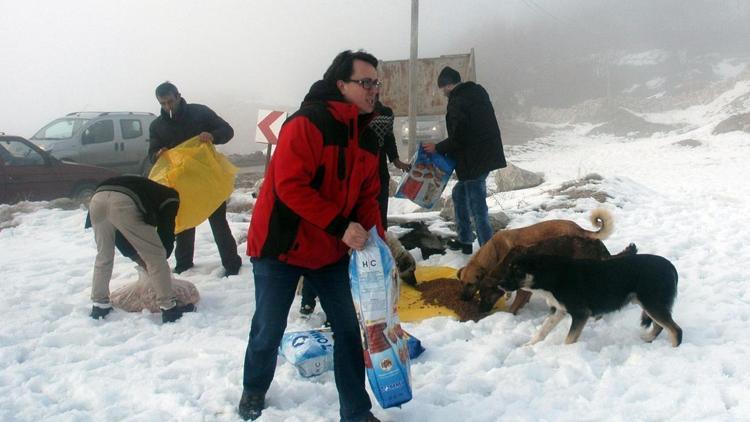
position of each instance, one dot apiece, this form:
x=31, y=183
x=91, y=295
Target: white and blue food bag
x=375, y=291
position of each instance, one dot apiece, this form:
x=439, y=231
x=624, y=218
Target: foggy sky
x=93, y=55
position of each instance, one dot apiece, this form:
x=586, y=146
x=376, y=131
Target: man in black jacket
x=382, y=128
x=178, y=122
x=136, y=215
x=474, y=142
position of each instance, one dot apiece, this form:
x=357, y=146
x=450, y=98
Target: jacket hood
x=323, y=91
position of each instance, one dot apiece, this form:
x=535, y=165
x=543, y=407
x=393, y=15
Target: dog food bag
x=426, y=180
x=374, y=285
x=311, y=352
x=413, y=344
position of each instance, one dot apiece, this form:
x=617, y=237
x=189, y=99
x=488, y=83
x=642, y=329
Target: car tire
x=83, y=193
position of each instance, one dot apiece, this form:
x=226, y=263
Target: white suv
x=115, y=140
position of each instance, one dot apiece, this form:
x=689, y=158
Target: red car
x=28, y=173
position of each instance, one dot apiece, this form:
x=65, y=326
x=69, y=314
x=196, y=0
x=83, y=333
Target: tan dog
x=492, y=253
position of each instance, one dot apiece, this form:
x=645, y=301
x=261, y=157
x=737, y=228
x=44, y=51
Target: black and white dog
x=585, y=288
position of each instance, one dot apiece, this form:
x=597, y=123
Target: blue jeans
x=275, y=286
x=470, y=204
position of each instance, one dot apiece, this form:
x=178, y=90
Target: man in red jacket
x=318, y=201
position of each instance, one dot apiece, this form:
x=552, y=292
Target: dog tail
x=645, y=320
x=603, y=219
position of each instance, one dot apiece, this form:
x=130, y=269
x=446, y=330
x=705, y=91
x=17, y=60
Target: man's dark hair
x=342, y=67
x=448, y=76
x=166, y=88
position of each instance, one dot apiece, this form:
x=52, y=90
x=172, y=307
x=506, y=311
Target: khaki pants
x=112, y=211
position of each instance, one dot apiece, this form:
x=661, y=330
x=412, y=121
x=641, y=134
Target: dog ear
x=458, y=274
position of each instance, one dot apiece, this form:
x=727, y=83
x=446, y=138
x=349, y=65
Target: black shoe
x=174, y=313
x=99, y=313
x=231, y=271
x=368, y=417
x=251, y=406
x=455, y=245
x=180, y=268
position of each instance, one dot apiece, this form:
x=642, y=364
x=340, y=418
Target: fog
x=236, y=56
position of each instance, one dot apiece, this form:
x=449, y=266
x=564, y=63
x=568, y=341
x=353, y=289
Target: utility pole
x=413, y=78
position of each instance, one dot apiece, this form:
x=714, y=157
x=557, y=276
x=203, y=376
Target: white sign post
x=268, y=128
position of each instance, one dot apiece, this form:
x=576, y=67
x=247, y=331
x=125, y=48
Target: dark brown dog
x=492, y=253
x=569, y=246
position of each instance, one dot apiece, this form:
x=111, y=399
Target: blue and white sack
x=311, y=352
x=427, y=178
x=375, y=291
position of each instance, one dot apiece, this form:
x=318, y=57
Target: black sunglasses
x=367, y=83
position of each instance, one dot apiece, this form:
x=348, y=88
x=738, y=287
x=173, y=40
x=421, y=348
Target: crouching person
x=138, y=216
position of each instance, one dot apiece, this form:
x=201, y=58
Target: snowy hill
x=688, y=204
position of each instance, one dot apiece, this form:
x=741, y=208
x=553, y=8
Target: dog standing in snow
x=585, y=288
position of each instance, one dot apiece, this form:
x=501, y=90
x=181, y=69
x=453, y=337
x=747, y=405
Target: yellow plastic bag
x=203, y=177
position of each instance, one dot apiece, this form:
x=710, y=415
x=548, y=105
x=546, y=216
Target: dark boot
x=174, y=313
x=368, y=417
x=455, y=245
x=233, y=270
x=180, y=268
x=251, y=406
x=99, y=313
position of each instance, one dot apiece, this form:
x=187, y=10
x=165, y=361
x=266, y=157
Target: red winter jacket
x=322, y=176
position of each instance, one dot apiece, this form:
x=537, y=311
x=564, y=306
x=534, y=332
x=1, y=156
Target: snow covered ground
x=689, y=204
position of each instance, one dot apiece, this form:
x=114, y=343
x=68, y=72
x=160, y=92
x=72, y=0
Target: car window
x=60, y=129
x=4, y=154
x=19, y=154
x=99, y=132
x=131, y=128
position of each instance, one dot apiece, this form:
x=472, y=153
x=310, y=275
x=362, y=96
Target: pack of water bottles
x=311, y=352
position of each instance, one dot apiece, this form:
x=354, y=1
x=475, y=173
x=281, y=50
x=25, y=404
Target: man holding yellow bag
x=178, y=122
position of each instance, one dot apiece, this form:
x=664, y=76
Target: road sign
x=269, y=125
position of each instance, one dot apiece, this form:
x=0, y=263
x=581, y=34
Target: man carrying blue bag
x=318, y=198
x=474, y=142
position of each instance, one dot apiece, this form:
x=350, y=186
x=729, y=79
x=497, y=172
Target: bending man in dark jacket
x=474, y=142
x=136, y=215
x=178, y=122
x=317, y=201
